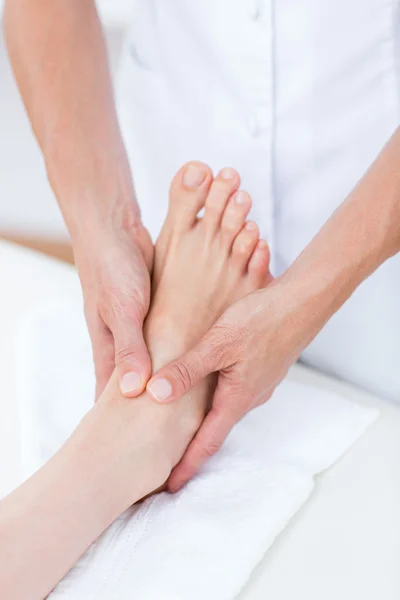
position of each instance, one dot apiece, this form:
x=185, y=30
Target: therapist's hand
x=114, y=268
x=256, y=340
x=252, y=346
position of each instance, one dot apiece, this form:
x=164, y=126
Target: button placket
x=260, y=98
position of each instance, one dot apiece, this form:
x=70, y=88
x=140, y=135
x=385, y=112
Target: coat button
x=256, y=9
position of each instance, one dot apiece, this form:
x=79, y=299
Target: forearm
x=357, y=239
x=60, y=61
x=113, y=459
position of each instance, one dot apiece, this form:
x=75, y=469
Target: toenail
x=240, y=197
x=250, y=226
x=227, y=173
x=262, y=244
x=160, y=389
x=193, y=176
x=131, y=382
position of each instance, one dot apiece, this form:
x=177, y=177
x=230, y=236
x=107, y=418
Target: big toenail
x=193, y=176
x=160, y=389
x=240, y=197
x=228, y=173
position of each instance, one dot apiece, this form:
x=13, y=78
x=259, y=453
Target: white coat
x=299, y=96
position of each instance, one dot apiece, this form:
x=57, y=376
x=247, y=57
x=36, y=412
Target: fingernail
x=227, y=173
x=161, y=389
x=193, y=176
x=240, y=197
x=131, y=382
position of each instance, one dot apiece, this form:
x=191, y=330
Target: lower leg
x=112, y=459
x=124, y=449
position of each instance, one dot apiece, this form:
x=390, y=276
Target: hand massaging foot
x=201, y=266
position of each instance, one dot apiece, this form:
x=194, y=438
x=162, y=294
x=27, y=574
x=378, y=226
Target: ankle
x=135, y=434
x=182, y=419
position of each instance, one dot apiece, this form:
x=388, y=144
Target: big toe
x=188, y=194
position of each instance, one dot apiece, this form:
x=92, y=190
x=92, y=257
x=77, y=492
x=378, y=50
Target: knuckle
x=226, y=342
x=210, y=449
x=123, y=355
x=125, y=309
x=184, y=373
x=119, y=305
x=235, y=397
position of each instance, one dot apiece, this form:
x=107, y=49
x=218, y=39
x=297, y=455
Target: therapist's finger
x=103, y=355
x=207, y=442
x=132, y=358
x=211, y=354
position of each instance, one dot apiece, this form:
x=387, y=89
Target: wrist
x=295, y=310
x=346, y=251
x=315, y=286
x=92, y=214
x=103, y=219
x=96, y=195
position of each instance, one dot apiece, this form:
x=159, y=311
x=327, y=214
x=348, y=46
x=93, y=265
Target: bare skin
x=124, y=449
x=201, y=267
x=59, y=58
x=259, y=337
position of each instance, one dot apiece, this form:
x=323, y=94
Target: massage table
x=344, y=543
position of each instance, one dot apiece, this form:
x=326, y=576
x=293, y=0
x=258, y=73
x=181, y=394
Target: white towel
x=203, y=542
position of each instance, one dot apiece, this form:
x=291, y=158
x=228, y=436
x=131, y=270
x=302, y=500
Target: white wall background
x=27, y=205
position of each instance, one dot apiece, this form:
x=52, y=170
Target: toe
x=244, y=244
x=259, y=264
x=234, y=216
x=224, y=185
x=188, y=194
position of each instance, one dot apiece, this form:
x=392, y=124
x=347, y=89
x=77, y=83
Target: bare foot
x=202, y=265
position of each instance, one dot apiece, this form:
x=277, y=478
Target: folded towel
x=203, y=542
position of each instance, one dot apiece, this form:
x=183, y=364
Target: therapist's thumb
x=132, y=358
x=179, y=376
